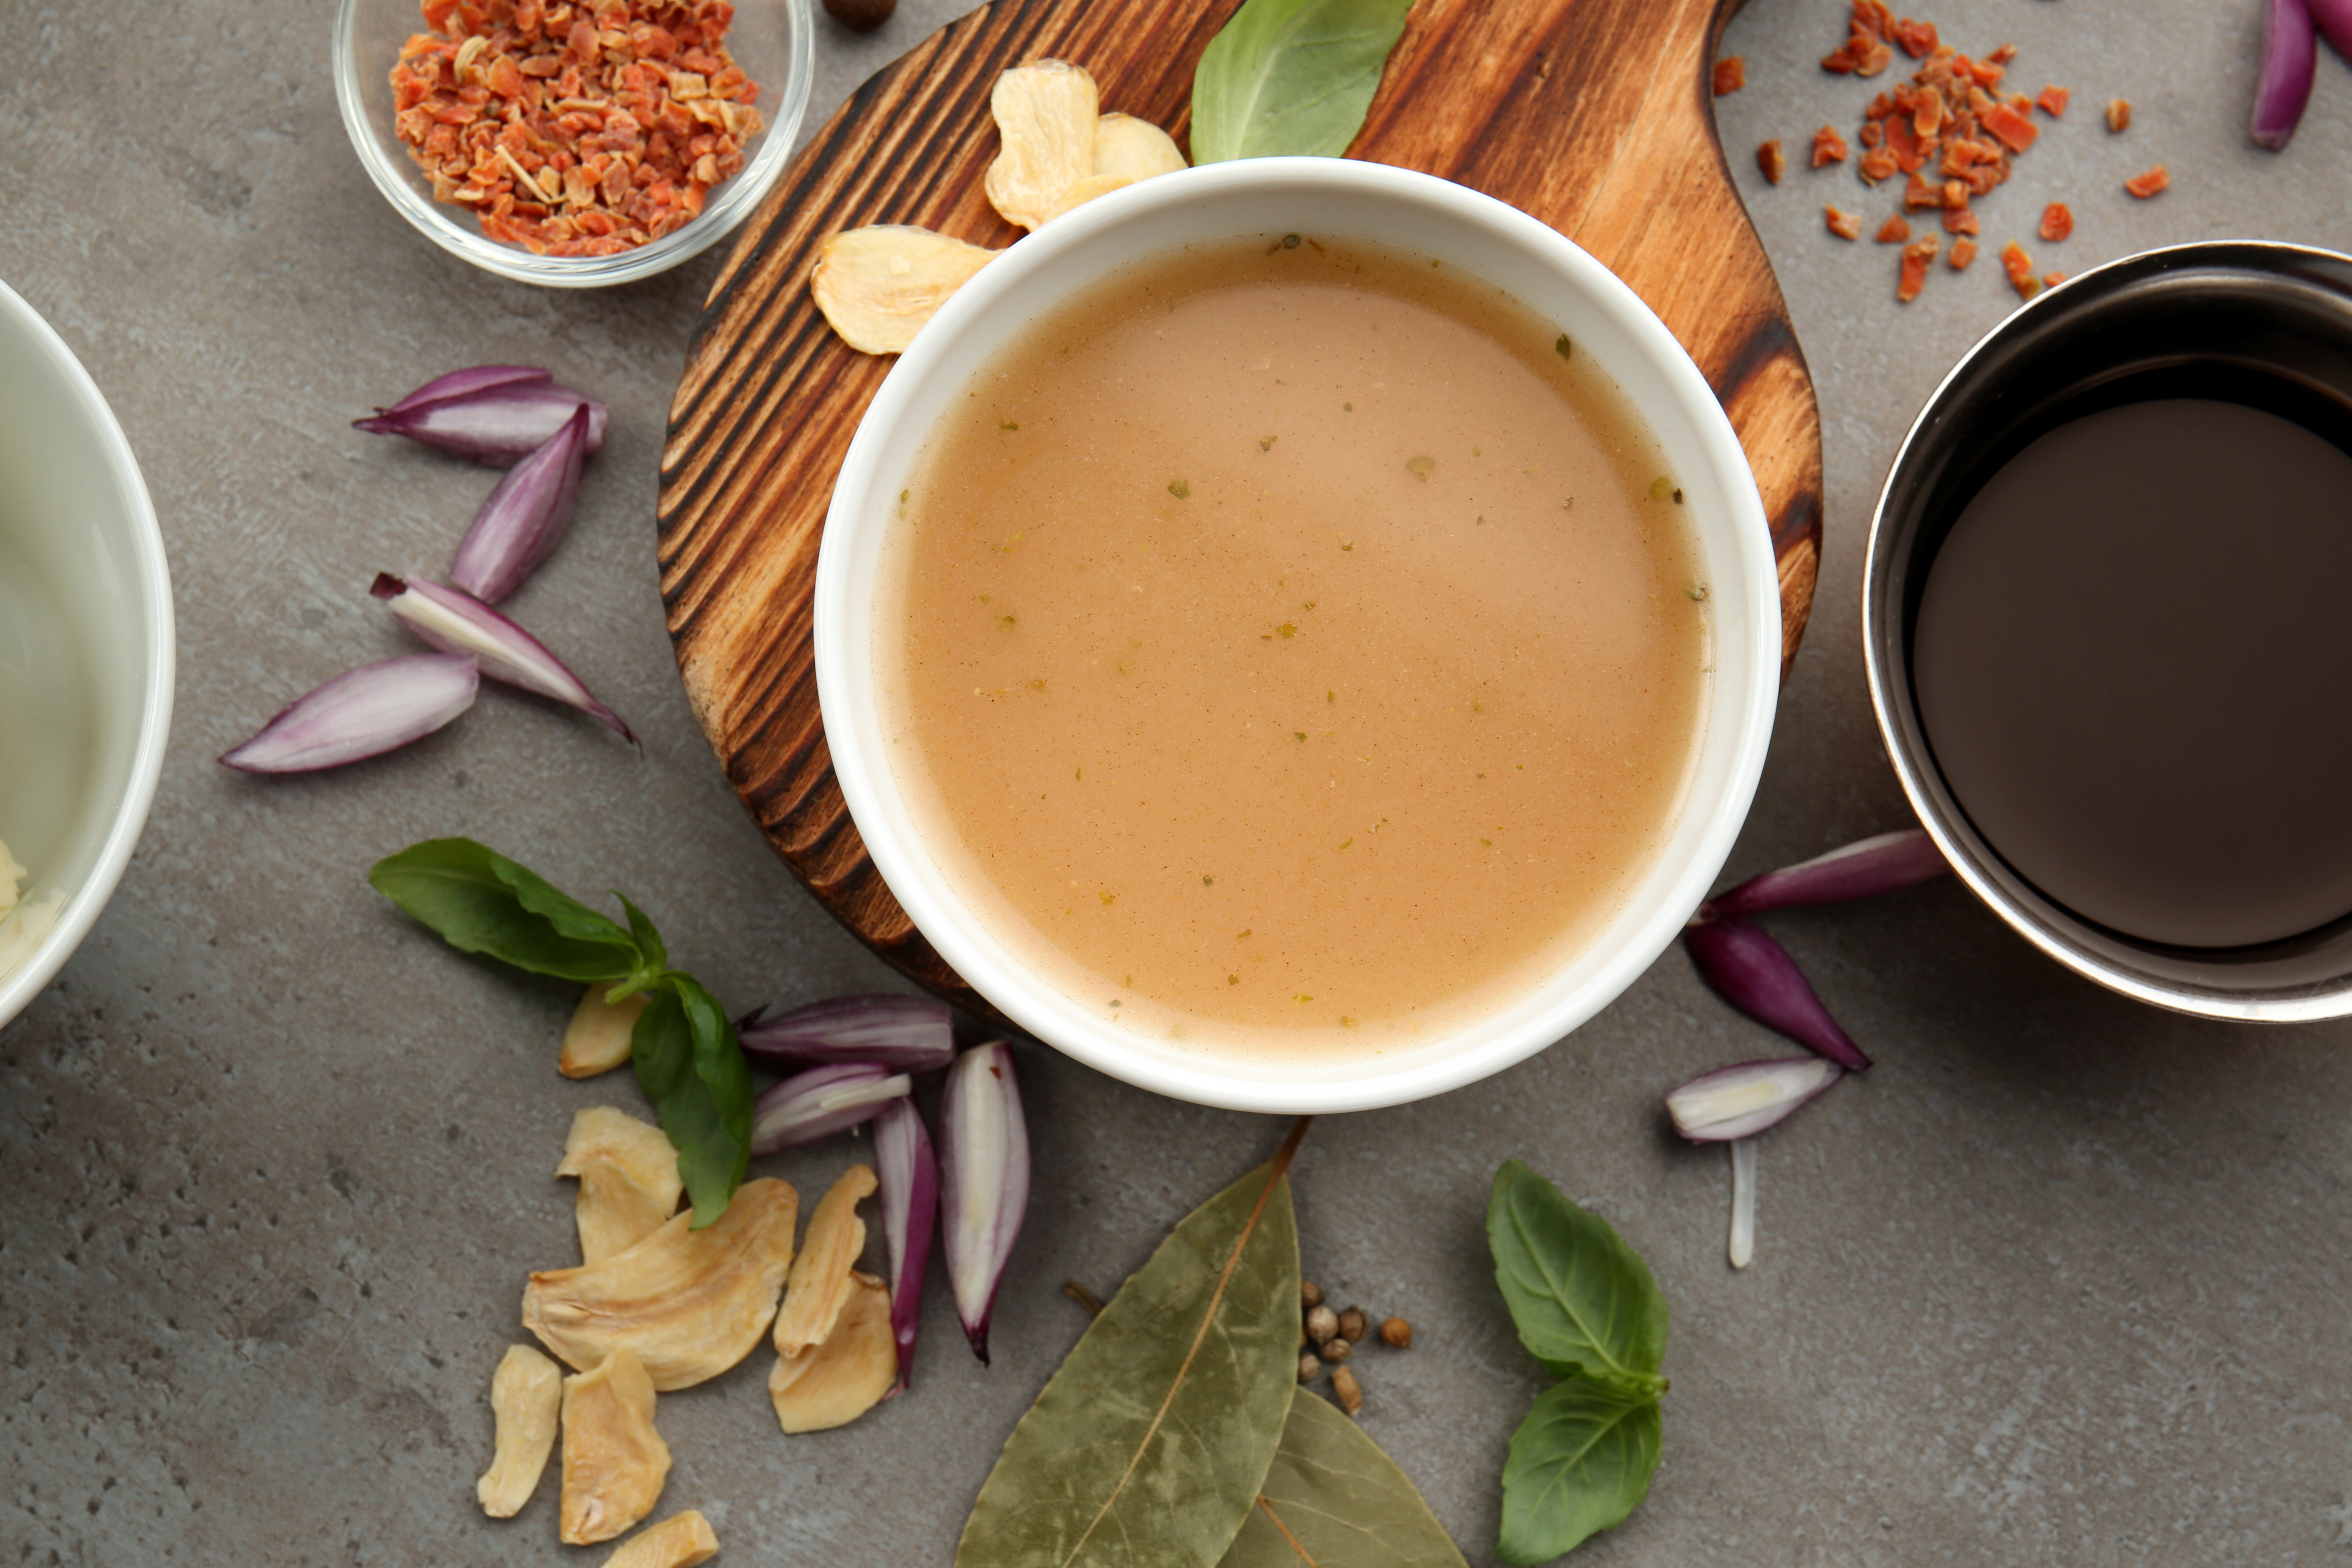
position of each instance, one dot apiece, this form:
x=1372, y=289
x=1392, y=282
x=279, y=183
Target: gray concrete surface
x=2063, y=1281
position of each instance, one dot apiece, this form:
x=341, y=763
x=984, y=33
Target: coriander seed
x=1338, y=1349
x=1322, y=1323
x=1397, y=1334
x=1352, y=1326
x=1310, y=1367
x=1310, y=1294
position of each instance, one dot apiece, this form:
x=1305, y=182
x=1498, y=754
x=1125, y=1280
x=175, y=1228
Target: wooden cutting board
x=1594, y=115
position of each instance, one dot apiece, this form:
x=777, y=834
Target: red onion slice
x=456, y=622
x=819, y=1102
x=363, y=713
x=494, y=415
x=1756, y=974
x=469, y=382
x=905, y=1034
x=1740, y=1102
x=909, y=1175
x=526, y=516
x=2335, y=19
x=2290, y=57
x=1860, y=869
x=985, y=1181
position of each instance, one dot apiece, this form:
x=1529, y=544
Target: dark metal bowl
x=2244, y=322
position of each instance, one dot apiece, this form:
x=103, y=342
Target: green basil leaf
x=1583, y=1300
x=1291, y=76
x=480, y=901
x=1580, y=1463
x=691, y=1066
x=1149, y=1446
x=1333, y=1496
x=655, y=955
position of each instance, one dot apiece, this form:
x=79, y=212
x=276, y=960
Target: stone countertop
x=2065, y=1280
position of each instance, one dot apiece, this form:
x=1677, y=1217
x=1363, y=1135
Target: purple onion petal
x=1740, y=1102
x=821, y=1102
x=467, y=383
x=905, y=1034
x=1756, y=974
x=1860, y=869
x=498, y=423
x=909, y=1175
x=2335, y=19
x=456, y=622
x=361, y=713
x=526, y=516
x=984, y=1180
x=2290, y=56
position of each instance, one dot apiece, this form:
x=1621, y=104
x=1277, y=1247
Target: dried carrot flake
x=1959, y=220
x=1846, y=226
x=2052, y=101
x=571, y=133
x=1893, y=231
x=2004, y=55
x=2057, y=222
x=1828, y=147
x=2013, y=129
x=1964, y=251
x=1918, y=39
x=2119, y=114
x=2019, y=268
x=1773, y=160
x=1914, y=274
x=1876, y=165
x=1730, y=74
x=2146, y=185
x=2052, y=280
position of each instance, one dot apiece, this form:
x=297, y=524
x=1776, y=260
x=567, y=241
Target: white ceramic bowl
x=85, y=641
x=1408, y=211
x=770, y=39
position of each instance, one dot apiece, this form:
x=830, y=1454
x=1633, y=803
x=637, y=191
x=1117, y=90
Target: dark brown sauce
x=2133, y=660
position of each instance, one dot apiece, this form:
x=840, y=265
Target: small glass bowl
x=770, y=39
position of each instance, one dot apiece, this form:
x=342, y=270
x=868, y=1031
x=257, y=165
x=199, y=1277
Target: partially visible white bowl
x=85, y=640
x=1413, y=212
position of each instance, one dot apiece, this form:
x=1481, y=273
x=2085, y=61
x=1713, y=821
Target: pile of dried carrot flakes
x=575, y=129
x=1949, y=134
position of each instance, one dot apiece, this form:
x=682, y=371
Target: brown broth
x=1294, y=657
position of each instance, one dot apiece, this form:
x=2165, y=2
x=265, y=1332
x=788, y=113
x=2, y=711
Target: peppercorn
x=862, y=15
x=1352, y=1326
x=1397, y=1334
x=1322, y=1323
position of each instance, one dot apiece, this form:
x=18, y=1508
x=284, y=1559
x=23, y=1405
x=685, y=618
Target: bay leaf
x=1291, y=76
x=1334, y=1498
x=1583, y=1300
x=1147, y=1448
x=1579, y=1464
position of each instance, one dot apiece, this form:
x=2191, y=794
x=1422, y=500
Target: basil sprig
x=1587, y=1309
x=684, y=1045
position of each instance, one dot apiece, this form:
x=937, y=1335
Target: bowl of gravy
x=2105, y=633
x=1297, y=635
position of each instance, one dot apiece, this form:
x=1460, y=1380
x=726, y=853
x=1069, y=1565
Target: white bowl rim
x=21, y=985
x=943, y=921
x=719, y=219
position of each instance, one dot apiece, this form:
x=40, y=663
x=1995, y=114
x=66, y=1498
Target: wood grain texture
x=1594, y=115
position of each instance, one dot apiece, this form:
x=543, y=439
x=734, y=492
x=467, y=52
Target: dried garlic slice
x=1086, y=190
x=877, y=286
x=1045, y=113
x=836, y=1382
x=682, y=1541
x=629, y=1184
x=614, y=1461
x=690, y=1303
x=526, y=1393
x=820, y=1282
x=597, y=1039
x=1134, y=148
